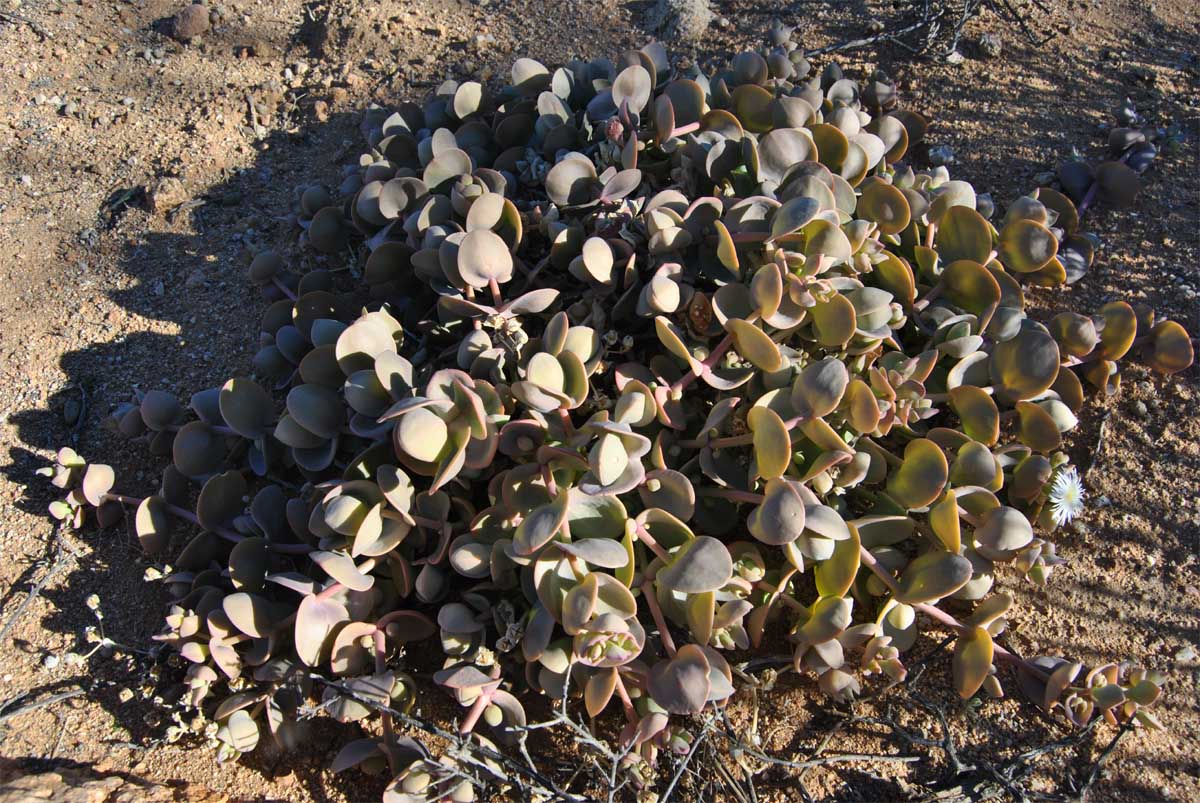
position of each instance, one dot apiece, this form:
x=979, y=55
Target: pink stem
x=938, y=615
x=733, y=440
x=934, y=294
x=287, y=291
x=328, y=592
x=228, y=535
x=744, y=439
x=568, y=425
x=422, y=521
x=732, y=494
x=941, y=397
x=626, y=703
x=380, y=641
x=646, y=538
x=706, y=365
x=477, y=708
x=217, y=428
x=533, y=274
x=970, y=518
x=1094, y=188
x=388, y=618
x=659, y=621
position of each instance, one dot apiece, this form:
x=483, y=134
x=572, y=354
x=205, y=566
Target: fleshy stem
x=1097, y=354
x=941, y=397
x=1094, y=188
x=744, y=439
x=646, y=538
x=934, y=293
x=478, y=707
x=914, y=315
x=217, y=428
x=432, y=524
x=868, y=560
x=659, y=620
x=283, y=288
x=707, y=363
x=548, y=479
x=732, y=494
x=567, y=423
x=626, y=703
x=228, y=535
x=379, y=640
x=970, y=517
x=938, y=615
x=533, y=274
x=324, y=594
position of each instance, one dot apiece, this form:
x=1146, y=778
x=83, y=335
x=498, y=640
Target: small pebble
x=166, y=194
x=990, y=45
x=941, y=155
x=50, y=661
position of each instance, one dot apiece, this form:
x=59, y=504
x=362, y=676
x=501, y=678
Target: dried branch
x=939, y=20
x=666, y=795
x=6, y=715
x=17, y=19
x=542, y=785
x=36, y=590
x=739, y=745
x=1099, y=765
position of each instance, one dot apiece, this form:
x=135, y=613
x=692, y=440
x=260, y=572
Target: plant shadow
x=188, y=281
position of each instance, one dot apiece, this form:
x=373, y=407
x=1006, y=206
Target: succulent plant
x=642, y=350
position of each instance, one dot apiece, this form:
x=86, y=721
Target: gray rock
x=941, y=155
x=990, y=45
x=191, y=21
x=167, y=194
x=684, y=20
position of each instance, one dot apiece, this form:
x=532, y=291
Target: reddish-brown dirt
x=106, y=289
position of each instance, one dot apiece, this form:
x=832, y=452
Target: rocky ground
x=141, y=170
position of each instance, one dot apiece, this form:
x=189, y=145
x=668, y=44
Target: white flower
x=1066, y=496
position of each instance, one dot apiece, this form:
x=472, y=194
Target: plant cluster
x=654, y=366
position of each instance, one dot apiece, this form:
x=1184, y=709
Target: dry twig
x=6, y=714
x=36, y=590
x=17, y=19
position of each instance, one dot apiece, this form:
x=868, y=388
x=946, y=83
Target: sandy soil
x=102, y=290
